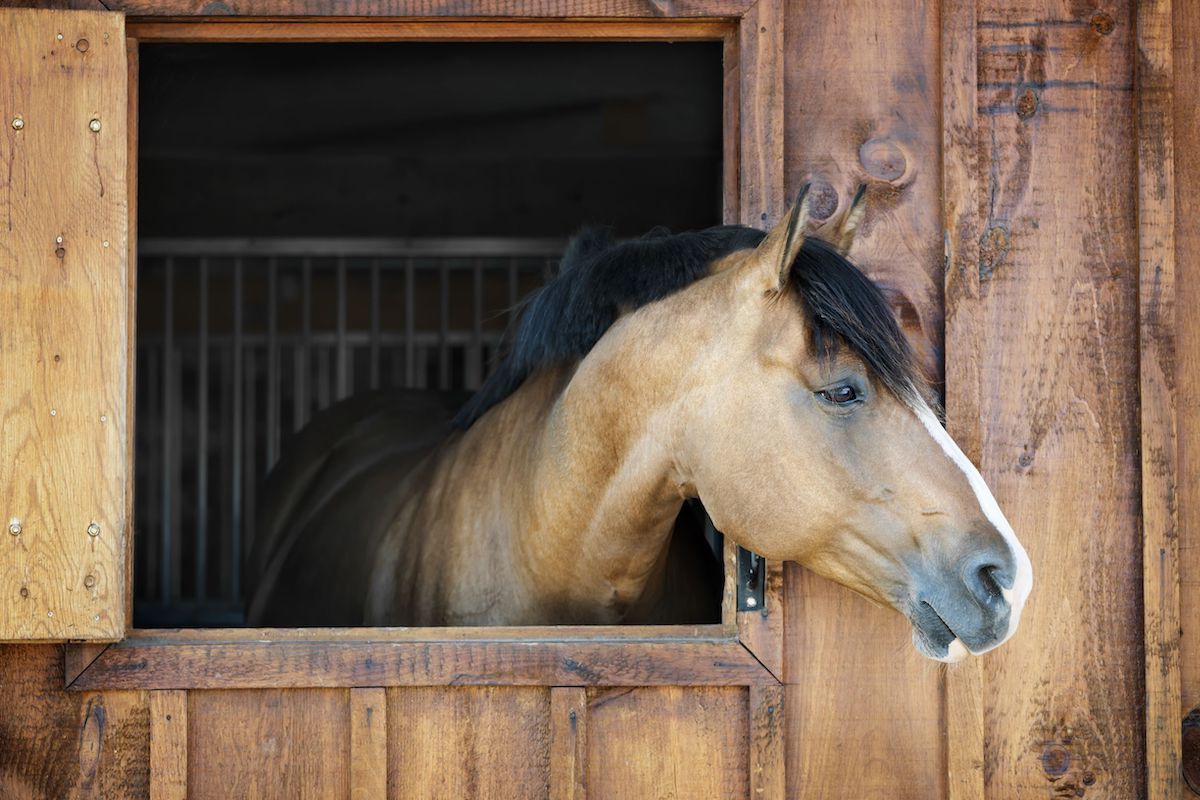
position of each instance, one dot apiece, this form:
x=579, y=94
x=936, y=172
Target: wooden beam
x=172, y=662
x=442, y=30
x=79, y=656
x=168, y=745
x=964, y=336
x=568, y=743
x=1186, y=133
x=767, y=766
x=435, y=9
x=1156, y=294
x=761, y=200
x=368, y=743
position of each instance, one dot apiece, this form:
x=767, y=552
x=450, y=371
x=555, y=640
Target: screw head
x=752, y=602
x=89, y=581
x=93, y=529
x=59, y=37
x=14, y=528
x=18, y=123
x=58, y=239
x=94, y=126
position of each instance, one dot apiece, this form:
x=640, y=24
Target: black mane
x=600, y=278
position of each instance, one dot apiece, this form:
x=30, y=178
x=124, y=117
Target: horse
x=760, y=373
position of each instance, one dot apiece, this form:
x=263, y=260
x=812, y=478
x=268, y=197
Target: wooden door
x=64, y=325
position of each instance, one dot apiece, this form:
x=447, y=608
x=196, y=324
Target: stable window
x=321, y=220
x=301, y=240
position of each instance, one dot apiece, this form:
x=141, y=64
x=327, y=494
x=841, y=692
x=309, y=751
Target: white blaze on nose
x=1023, y=580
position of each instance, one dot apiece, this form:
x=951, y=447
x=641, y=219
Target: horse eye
x=842, y=395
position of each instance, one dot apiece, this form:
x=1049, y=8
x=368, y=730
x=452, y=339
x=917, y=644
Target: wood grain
x=862, y=84
x=168, y=745
x=581, y=9
x=1156, y=315
x=767, y=765
x=667, y=742
x=761, y=200
x=63, y=455
x=878, y=709
x=174, y=663
x=964, y=336
x=1058, y=403
x=1187, y=343
x=478, y=742
x=268, y=743
x=568, y=743
x=60, y=744
x=368, y=743
x=308, y=30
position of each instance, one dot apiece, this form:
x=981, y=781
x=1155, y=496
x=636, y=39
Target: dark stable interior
x=320, y=219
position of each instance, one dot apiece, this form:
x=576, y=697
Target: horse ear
x=851, y=220
x=777, y=252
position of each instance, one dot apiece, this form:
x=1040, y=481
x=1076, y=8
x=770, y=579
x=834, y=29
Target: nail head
x=14, y=528
x=94, y=125
x=93, y=529
x=89, y=581
x=18, y=123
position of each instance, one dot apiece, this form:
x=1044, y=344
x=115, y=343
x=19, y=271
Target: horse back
x=328, y=501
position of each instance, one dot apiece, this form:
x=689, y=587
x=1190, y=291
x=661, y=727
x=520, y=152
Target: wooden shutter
x=64, y=325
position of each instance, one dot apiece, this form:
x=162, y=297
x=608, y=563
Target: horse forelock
x=843, y=306
x=600, y=278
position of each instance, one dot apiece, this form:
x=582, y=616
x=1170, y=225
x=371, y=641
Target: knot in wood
x=822, y=199
x=1103, y=23
x=1027, y=104
x=883, y=159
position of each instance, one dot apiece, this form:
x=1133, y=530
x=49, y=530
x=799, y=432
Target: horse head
x=809, y=436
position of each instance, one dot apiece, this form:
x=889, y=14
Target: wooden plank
x=761, y=200
x=1187, y=343
x=568, y=743
x=168, y=745
x=269, y=743
x=761, y=631
x=169, y=664
x=78, y=657
x=63, y=464
x=478, y=742
x=67, y=744
x=1156, y=315
x=132, y=69
x=882, y=704
x=276, y=30
x=535, y=9
x=1058, y=401
x=517, y=633
x=642, y=741
x=964, y=335
x=861, y=80
x=368, y=743
x=767, y=774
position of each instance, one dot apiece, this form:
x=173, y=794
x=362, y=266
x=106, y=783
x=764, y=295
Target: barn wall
x=1042, y=278
x=1041, y=354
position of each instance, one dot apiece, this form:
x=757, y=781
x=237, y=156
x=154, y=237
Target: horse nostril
x=985, y=581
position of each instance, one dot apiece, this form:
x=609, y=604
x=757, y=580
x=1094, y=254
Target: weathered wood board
x=64, y=466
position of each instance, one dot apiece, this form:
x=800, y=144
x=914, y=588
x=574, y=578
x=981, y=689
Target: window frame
x=744, y=649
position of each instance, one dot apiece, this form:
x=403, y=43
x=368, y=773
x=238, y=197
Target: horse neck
x=605, y=489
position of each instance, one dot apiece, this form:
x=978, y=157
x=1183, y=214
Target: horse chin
x=948, y=654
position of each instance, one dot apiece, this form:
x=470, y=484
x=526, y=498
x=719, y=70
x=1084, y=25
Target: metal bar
x=302, y=354
x=168, y=422
x=249, y=508
x=322, y=381
x=464, y=247
x=153, y=422
x=273, y=425
x=443, y=329
x=342, y=366
x=235, y=472
x=376, y=323
x=410, y=326
x=201, y=565
x=475, y=362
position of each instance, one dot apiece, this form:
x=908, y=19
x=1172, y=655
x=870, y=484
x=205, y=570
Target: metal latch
x=751, y=580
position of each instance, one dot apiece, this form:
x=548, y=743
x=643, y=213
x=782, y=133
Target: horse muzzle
x=969, y=608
